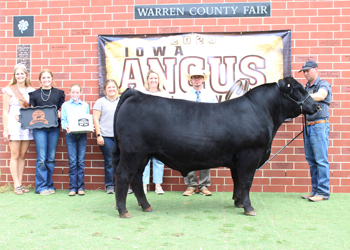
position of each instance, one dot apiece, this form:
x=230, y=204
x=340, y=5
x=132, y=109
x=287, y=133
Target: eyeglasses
x=197, y=77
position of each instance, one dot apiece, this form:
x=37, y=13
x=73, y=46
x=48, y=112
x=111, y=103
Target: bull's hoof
x=149, y=209
x=238, y=204
x=250, y=213
x=125, y=215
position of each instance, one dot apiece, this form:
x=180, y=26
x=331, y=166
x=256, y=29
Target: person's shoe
x=81, y=192
x=316, y=198
x=307, y=196
x=24, y=189
x=45, y=192
x=205, y=191
x=189, y=191
x=110, y=190
x=52, y=191
x=145, y=189
x=159, y=190
x=71, y=193
x=130, y=191
x=18, y=190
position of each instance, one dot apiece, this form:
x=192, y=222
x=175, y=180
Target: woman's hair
x=13, y=81
x=107, y=82
x=48, y=71
x=160, y=84
x=74, y=85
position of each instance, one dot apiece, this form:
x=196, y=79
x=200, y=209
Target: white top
x=13, y=126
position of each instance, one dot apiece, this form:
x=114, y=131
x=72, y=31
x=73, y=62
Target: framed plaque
x=38, y=117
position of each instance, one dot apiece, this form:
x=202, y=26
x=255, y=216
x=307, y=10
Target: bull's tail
x=116, y=150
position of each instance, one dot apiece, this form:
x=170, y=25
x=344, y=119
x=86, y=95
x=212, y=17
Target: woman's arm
x=5, y=110
x=96, y=116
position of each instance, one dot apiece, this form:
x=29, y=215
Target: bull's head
x=294, y=91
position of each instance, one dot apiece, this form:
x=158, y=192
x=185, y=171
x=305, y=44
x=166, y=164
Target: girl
x=154, y=86
x=46, y=139
x=103, y=113
x=16, y=97
x=76, y=142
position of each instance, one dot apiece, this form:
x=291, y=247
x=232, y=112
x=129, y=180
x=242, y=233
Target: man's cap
x=308, y=65
x=197, y=72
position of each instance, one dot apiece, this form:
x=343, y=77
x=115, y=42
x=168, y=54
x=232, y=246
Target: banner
x=237, y=62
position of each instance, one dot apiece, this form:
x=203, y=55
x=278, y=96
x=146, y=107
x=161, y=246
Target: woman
x=103, y=113
x=75, y=142
x=46, y=139
x=154, y=86
x=16, y=97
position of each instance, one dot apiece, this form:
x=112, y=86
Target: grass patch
x=284, y=221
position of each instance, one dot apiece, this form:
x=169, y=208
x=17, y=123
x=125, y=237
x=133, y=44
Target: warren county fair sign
x=256, y=9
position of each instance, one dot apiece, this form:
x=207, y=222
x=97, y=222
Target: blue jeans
x=158, y=169
x=316, y=154
x=76, y=148
x=107, y=155
x=46, y=140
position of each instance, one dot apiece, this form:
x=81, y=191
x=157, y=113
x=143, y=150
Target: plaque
x=38, y=117
x=80, y=123
x=23, y=55
x=23, y=26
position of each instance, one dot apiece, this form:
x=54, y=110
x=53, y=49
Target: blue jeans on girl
x=46, y=140
x=107, y=155
x=158, y=171
x=76, y=147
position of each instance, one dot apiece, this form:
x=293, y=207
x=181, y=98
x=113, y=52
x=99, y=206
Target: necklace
x=111, y=100
x=19, y=90
x=48, y=96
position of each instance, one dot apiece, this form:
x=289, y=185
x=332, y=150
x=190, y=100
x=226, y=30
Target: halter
x=300, y=103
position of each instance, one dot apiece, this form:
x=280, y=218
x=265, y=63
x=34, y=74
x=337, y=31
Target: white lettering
x=142, y=11
x=217, y=10
x=193, y=14
x=202, y=10
x=165, y=12
x=234, y=10
x=263, y=9
x=172, y=11
x=150, y=12
x=246, y=8
x=158, y=10
x=182, y=11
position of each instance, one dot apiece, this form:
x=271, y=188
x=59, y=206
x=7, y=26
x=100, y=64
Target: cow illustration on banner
x=237, y=62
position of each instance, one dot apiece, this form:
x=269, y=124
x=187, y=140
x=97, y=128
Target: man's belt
x=310, y=123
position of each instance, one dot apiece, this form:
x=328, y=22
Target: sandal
x=18, y=190
x=24, y=189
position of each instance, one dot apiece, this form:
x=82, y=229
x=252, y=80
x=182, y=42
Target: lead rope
x=285, y=145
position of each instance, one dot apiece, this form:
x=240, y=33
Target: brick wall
x=65, y=41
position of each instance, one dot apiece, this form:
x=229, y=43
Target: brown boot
x=307, y=196
x=205, y=191
x=189, y=191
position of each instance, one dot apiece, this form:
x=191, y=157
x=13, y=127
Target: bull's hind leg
x=137, y=187
x=237, y=196
x=125, y=172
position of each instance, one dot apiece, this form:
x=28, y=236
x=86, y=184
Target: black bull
x=188, y=136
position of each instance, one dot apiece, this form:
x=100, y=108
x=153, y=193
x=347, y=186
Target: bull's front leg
x=248, y=209
x=237, y=196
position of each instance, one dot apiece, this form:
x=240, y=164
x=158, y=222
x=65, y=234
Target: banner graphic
x=237, y=62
